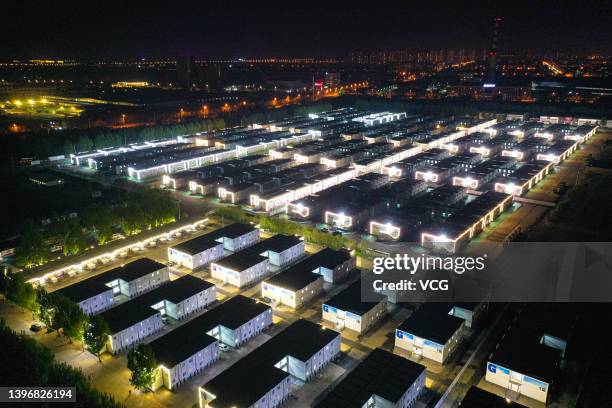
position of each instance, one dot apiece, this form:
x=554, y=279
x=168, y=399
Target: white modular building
x=201, y=251
x=98, y=293
x=303, y=281
x=292, y=287
x=194, y=346
x=237, y=320
x=264, y=378
x=196, y=253
x=135, y=320
x=382, y=379
x=253, y=264
x=528, y=360
x=430, y=332
x=236, y=237
x=346, y=310
x=240, y=269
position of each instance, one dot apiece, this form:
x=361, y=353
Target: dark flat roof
x=180, y=289
x=331, y=258
x=241, y=260
x=301, y=274
x=207, y=241
x=133, y=311
x=349, y=300
x=186, y=340
x=196, y=245
x=128, y=314
x=244, y=383
x=432, y=322
x=521, y=349
x=240, y=386
x=232, y=314
x=95, y=285
x=276, y=243
x=250, y=256
x=180, y=344
x=478, y=398
x=231, y=231
x=381, y=373
x=294, y=278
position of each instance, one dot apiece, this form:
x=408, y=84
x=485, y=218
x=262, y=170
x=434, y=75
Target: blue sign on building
x=494, y=367
x=329, y=309
x=402, y=334
x=433, y=344
x=536, y=382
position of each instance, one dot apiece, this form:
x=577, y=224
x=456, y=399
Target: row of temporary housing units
x=530, y=357
x=139, y=172
x=333, y=152
x=359, y=147
x=363, y=204
x=250, y=259
x=232, y=323
x=240, y=142
x=289, y=195
x=527, y=360
x=528, y=175
x=189, y=349
x=382, y=379
x=118, y=250
x=264, y=378
x=435, y=330
x=151, y=296
x=79, y=159
x=304, y=280
x=467, y=222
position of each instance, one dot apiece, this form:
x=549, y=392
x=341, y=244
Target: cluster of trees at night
x=24, y=361
x=284, y=113
x=100, y=138
x=141, y=361
x=60, y=314
x=42, y=144
x=287, y=227
x=56, y=312
x=136, y=211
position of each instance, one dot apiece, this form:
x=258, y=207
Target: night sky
x=207, y=29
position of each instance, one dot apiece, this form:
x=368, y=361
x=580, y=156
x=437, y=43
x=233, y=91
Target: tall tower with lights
x=490, y=81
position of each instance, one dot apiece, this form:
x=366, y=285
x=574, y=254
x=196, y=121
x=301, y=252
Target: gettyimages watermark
x=515, y=272
x=413, y=264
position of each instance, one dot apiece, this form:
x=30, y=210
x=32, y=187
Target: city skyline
x=317, y=30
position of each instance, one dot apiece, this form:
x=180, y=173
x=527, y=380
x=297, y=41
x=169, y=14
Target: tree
x=68, y=147
x=84, y=144
x=61, y=307
x=25, y=361
x=4, y=279
x=45, y=306
x=19, y=291
x=96, y=335
x=142, y=363
x=32, y=249
x=76, y=321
